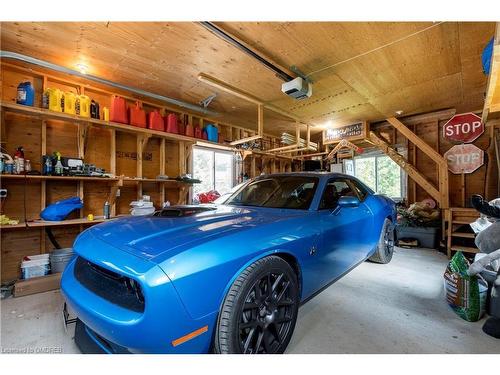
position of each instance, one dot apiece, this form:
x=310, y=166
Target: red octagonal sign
x=464, y=158
x=465, y=128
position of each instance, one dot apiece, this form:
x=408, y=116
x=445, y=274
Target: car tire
x=260, y=309
x=385, y=246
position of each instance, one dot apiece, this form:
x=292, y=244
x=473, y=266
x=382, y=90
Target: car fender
x=255, y=259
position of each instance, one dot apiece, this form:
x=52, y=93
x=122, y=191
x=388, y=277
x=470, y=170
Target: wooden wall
x=108, y=148
x=429, y=127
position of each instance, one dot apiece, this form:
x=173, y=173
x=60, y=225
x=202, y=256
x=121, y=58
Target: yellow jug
x=69, y=100
x=83, y=105
x=52, y=99
x=105, y=113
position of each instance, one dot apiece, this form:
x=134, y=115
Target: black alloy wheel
x=267, y=314
x=260, y=309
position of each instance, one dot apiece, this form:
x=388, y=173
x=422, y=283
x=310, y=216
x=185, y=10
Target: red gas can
x=198, y=132
x=155, y=121
x=182, y=128
x=118, y=111
x=137, y=115
x=189, y=130
x=172, y=125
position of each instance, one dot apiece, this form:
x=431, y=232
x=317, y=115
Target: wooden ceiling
x=374, y=69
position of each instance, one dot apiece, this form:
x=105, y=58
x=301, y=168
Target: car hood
x=150, y=237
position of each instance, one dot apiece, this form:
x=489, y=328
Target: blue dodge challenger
x=225, y=278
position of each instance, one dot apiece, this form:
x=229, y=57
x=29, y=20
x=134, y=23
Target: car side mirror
x=348, y=202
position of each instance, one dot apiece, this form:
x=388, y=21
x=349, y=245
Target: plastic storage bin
x=137, y=115
x=426, y=236
x=59, y=258
x=35, y=266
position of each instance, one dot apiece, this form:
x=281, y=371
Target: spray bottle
x=58, y=169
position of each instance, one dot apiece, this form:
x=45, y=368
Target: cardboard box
x=37, y=285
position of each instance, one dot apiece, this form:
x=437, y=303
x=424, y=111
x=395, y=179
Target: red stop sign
x=465, y=128
x=464, y=158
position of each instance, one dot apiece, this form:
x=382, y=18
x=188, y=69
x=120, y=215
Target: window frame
x=349, y=182
x=403, y=177
x=214, y=151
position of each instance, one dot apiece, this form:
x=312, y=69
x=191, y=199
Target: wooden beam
x=407, y=167
x=417, y=141
x=260, y=120
x=244, y=140
x=223, y=86
x=493, y=85
x=226, y=87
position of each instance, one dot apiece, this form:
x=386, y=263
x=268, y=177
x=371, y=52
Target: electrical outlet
x=3, y=193
x=118, y=192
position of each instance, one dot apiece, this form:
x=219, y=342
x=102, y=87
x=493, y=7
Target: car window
x=333, y=191
x=294, y=192
x=360, y=190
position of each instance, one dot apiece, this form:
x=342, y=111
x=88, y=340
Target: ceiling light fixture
x=399, y=113
x=82, y=68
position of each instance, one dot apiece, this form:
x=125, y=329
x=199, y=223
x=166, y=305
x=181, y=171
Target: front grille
x=113, y=287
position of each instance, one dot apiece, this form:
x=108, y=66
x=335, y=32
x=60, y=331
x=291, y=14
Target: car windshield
x=294, y=192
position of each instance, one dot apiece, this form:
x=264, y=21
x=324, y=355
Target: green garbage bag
x=465, y=294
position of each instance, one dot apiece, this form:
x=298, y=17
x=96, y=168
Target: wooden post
x=162, y=169
x=443, y=198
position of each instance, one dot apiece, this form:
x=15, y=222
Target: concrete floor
x=394, y=308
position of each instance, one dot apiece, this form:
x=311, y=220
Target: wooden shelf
x=463, y=235
x=51, y=115
x=60, y=178
x=465, y=249
x=156, y=180
x=462, y=222
x=44, y=223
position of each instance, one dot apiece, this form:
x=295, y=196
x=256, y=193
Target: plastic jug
x=83, y=105
x=52, y=99
x=181, y=128
x=69, y=103
x=137, y=115
x=204, y=134
x=189, y=130
x=212, y=132
x=94, y=110
x=118, y=111
x=172, y=124
x=155, y=121
x=25, y=94
x=198, y=133
x=105, y=113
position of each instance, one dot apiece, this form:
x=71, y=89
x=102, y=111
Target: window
x=360, y=190
x=295, y=192
x=381, y=174
x=215, y=169
x=333, y=191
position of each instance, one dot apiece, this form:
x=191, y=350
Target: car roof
x=319, y=174
x=322, y=175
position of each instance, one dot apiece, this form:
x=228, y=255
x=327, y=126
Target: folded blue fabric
x=61, y=209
